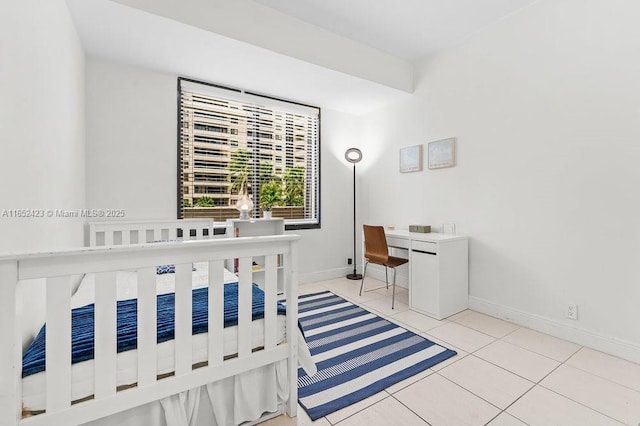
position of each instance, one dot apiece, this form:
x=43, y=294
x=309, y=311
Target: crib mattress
x=33, y=386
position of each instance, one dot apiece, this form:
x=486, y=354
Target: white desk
x=438, y=271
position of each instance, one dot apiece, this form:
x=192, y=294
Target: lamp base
x=354, y=276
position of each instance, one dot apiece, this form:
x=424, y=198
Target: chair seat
x=396, y=261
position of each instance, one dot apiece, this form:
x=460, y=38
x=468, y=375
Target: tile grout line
x=582, y=404
x=509, y=371
x=539, y=384
x=599, y=376
x=529, y=350
x=534, y=384
x=472, y=393
x=405, y=406
x=570, y=398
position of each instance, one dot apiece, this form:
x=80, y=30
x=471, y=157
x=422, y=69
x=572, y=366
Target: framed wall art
x=442, y=153
x=411, y=159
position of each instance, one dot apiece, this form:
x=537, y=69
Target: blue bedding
x=82, y=320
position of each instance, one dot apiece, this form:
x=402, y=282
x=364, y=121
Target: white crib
x=58, y=268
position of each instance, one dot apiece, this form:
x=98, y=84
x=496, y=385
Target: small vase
x=267, y=214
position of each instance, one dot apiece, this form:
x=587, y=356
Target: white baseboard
x=618, y=347
x=329, y=274
x=332, y=274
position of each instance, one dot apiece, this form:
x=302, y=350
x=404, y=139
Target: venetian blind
x=232, y=141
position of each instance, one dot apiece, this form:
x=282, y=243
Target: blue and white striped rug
x=357, y=353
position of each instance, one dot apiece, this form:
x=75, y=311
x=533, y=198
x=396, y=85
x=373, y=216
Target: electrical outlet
x=572, y=311
x=349, y=261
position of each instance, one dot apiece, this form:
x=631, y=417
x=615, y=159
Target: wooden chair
x=376, y=251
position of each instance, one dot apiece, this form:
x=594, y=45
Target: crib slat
x=291, y=293
x=105, y=335
x=147, y=327
x=244, y=307
x=216, y=312
x=108, y=238
x=92, y=235
x=11, y=349
x=58, y=344
x=270, y=301
x=183, y=322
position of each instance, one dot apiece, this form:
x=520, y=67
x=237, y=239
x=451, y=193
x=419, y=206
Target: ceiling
x=336, y=54
x=408, y=29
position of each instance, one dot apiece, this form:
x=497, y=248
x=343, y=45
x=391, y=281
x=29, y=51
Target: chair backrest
x=375, y=244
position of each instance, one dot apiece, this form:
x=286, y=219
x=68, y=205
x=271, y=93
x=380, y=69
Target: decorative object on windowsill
x=244, y=206
x=442, y=153
x=411, y=159
x=354, y=155
x=270, y=196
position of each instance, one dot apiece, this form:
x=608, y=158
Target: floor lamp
x=354, y=155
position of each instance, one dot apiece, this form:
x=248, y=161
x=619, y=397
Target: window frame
x=293, y=224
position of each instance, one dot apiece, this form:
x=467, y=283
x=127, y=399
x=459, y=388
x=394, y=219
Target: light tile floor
x=503, y=375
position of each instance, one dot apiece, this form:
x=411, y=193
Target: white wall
x=42, y=131
x=131, y=140
x=41, y=125
x=545, y=108
x=324, y=251
x=131, y=159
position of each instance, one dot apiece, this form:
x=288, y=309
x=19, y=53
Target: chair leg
x=364, y=272
x=393, y=296
x=386, y=276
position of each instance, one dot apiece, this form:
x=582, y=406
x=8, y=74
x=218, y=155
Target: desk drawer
x=424, y=246
x=397, y=242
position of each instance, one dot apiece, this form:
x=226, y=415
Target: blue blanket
x=82, y=323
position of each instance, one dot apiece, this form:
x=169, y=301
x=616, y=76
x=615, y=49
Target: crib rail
x=124, y=233
x=58, y=269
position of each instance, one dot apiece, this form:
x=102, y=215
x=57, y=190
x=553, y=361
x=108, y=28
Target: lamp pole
x=354, y=155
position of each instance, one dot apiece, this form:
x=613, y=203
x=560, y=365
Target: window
x=227, y=145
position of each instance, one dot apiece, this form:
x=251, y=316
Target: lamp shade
x=353, y=155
